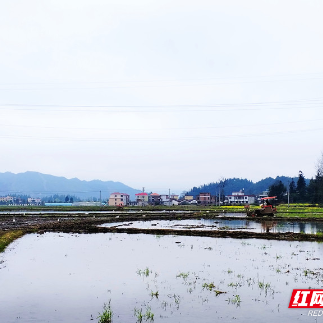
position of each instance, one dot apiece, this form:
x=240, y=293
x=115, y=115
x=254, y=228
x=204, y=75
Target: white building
x=34, y=201
x=264, y=194
x=240, y=198
x=6, y=199
x=165, y=199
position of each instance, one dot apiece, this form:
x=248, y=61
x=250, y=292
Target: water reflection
x=225, y=224
x=267, y=226
x=68, y=277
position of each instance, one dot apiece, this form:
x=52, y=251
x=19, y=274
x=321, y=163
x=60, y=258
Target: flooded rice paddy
x=57, y=277
x=224, y=224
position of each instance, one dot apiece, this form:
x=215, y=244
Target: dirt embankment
x=90, y=224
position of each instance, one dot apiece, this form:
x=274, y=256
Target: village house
x=262, y=195
x=17, y=200
x=240, y=198
x=34, y=201
x=6, y=199
x=142, y=199
x=118, y=199
x=165, y=199
x=204, y=198
x=154, y=199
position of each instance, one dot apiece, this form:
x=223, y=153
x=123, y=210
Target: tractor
x=267, y=207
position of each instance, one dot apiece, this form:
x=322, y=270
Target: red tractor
x=267, y=207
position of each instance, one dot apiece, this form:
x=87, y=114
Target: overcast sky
x=161, y=94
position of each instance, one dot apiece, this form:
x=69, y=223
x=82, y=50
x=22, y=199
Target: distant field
x=294, y=210
x=283, y=210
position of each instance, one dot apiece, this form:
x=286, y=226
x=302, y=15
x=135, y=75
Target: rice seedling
x=148, y=316
x=262, y=285
x=176, y=298
x=138, y=314
x=208, y=286
x=235, y=300
x=250, y=281
x=164, y=305
x=106, y=315
x=234, y=285
x=146, y=272
x=183, y=275
x=154, y=294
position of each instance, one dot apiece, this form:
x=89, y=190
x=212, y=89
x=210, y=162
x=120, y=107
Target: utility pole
x=143, y=190
x=100, y=197
x=169, y=196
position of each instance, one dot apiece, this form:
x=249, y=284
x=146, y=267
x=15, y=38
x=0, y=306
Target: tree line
x=300, y=191
x=228, y=185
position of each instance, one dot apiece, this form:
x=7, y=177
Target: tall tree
x=292, y=190
x=301, y=188
x=278, y=189
x=315, y=188
x=292, y=187
x=312, y=191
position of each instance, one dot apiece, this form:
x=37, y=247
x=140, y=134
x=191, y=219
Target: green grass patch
x=6, y=237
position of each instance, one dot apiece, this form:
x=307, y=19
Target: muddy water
x=67, y=278
x=223, y=224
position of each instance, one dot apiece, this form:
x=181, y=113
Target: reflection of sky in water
x=222, y=224
x=68, y=277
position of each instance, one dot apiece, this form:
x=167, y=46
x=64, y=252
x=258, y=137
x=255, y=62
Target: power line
x=271, y=133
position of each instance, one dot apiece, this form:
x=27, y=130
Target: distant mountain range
x=237, y=184
x=40, y=185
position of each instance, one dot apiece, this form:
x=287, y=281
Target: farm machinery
x=267, y=208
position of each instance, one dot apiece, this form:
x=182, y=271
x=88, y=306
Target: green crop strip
x=6, y=237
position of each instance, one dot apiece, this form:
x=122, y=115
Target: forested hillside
x=227, y=186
